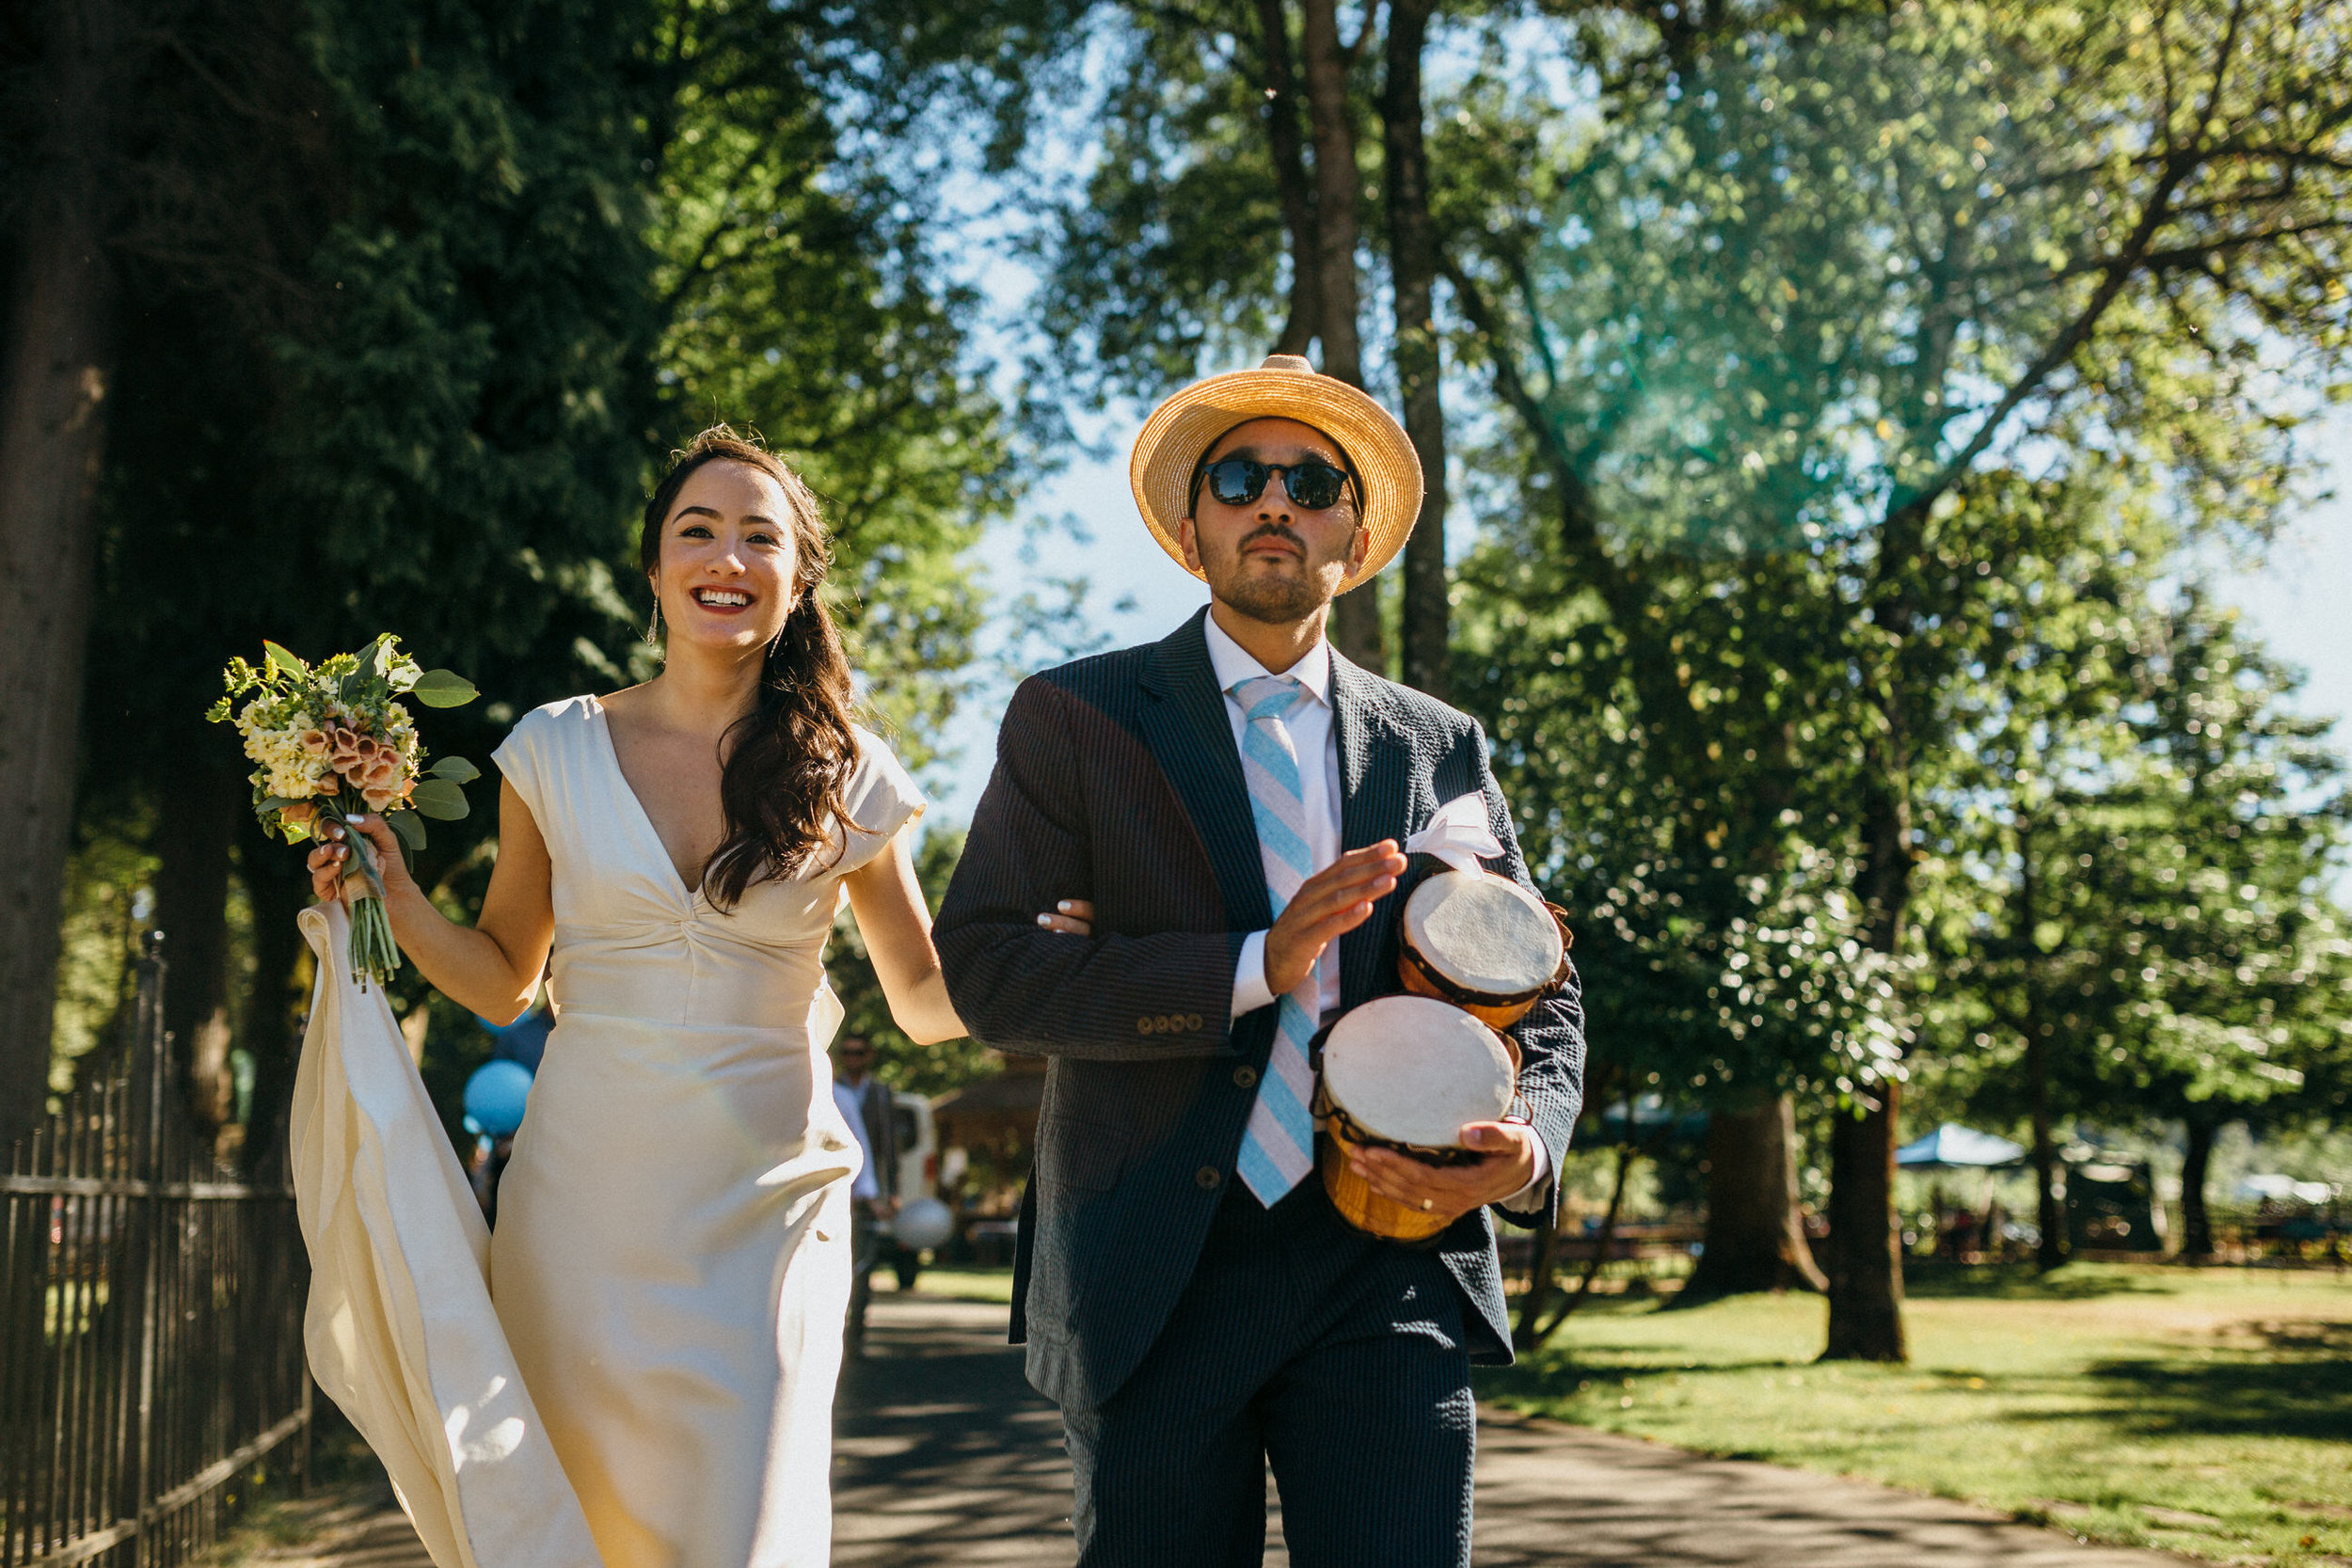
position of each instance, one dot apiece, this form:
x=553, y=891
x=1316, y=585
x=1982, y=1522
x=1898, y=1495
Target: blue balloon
x=495, y=1095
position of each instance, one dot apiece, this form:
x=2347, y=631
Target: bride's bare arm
x=896, y=924
x=493, y=966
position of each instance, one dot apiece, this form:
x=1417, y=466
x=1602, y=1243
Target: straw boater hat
x=1377, y=452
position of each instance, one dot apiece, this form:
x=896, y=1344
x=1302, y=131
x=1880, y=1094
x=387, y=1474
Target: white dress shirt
x=1309, y=725
x=852, y=1108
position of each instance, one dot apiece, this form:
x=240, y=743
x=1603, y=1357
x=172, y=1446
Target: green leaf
x=268, y=803
x=455, y=769
x=409, y=829
x=439, y=799
x=443, y=688
x=284, y=661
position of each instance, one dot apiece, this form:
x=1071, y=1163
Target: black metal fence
x=151, y=1320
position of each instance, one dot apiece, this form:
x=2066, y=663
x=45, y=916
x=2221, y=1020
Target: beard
x=1275, y=599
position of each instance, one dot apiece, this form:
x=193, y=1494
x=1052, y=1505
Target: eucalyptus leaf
x=408, y=827
x=283, y=660
x=443, y=688
x=455, y=769
x=439, y=799
x=268, y=803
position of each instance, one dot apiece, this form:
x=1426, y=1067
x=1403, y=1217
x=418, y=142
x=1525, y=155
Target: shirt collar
x=1233, y=663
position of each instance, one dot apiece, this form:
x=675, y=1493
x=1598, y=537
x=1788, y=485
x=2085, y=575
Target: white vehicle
x=918, y=1175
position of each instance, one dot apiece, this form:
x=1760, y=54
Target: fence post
x=155, y=1054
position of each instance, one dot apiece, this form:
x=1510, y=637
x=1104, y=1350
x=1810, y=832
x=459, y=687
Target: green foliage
x=427, y=308
x=1780, y=310
x=1171, y=258
x=802, y=287
x=109, y=873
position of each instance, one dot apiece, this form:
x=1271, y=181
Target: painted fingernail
x=1045, y=920
x=1063, y=905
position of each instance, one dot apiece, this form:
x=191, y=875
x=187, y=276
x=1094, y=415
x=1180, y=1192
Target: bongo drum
x=1405, y=1073
x=1481, y=943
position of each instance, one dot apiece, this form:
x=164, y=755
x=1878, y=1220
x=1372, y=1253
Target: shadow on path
x=943, y=1455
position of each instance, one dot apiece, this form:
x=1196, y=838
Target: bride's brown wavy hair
x=789, y=761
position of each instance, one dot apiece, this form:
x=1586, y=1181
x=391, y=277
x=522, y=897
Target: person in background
x=865, y=1102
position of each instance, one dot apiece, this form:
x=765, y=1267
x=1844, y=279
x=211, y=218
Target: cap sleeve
x=882, y=799
x=521, y=759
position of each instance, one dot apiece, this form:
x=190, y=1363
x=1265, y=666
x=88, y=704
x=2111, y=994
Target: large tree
x=65, y=65
x=1802, y=273
x=1253, y=161
x=431, y=296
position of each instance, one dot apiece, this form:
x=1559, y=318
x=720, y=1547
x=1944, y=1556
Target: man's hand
x=1329, y=905
x=1452, y=1191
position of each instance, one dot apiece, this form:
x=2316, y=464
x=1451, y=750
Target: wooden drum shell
x=1350, y=1193
x=1357, y=1204
x=1496, y=1012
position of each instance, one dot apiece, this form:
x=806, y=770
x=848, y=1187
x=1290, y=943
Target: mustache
x=1272, y=530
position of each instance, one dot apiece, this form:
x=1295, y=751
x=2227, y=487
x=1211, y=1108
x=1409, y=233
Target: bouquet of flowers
x=332, y=740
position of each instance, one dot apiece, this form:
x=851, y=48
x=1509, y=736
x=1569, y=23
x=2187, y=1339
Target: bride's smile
x=728, y=563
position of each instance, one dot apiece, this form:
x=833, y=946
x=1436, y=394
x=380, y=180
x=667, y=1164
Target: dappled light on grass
x=2208, y=1413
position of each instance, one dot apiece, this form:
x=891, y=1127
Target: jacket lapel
x=1184, y=724
x=1374, y=796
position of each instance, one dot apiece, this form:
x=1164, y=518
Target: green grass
x=2205, y=1412
x=954, y=1284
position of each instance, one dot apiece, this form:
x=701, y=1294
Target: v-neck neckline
x=644, y=817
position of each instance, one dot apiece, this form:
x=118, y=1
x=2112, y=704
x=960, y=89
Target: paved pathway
x=946, y=1457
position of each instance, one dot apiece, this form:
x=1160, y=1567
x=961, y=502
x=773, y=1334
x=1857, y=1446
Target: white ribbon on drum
x=1458, y=835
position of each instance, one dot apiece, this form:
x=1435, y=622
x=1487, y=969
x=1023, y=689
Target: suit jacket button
x=1208, y=1176
x=1143, y=1027
x=1192, y=1021
x=1245, y=1078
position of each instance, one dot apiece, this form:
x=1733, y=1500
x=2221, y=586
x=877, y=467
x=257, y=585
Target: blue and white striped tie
x=1278, y=1146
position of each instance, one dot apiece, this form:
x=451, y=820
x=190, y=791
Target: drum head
x=1413, y=1070
x=1483, y=933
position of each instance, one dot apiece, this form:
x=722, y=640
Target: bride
x=672, y=1259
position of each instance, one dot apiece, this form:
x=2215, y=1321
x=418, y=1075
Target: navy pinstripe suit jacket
x=1117, y=779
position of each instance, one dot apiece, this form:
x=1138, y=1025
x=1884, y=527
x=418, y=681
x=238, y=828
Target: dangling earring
x=654, y=629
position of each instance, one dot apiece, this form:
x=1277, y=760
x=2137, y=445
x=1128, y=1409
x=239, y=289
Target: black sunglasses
x=1313, y=484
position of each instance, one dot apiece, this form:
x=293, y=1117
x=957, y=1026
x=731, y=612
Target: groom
x=1230, y=801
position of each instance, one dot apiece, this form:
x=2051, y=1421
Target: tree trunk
x=1303, y=323
x=1755, y=1229
x=1356, y=618
x=2195, y=1224
x=1866, y=1277
x=1534, y=1332
x=1866, y=1282
x=1413, y=266
x=2049, y=1197
x=200, y=823
x=2049, y=1211
x=53, y=387
x=278, y=894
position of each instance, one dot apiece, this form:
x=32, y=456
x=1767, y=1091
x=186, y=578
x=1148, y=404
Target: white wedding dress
x=637, y=1369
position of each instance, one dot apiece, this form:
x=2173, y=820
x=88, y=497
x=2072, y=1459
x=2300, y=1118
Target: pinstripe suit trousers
x=1299, y=1342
